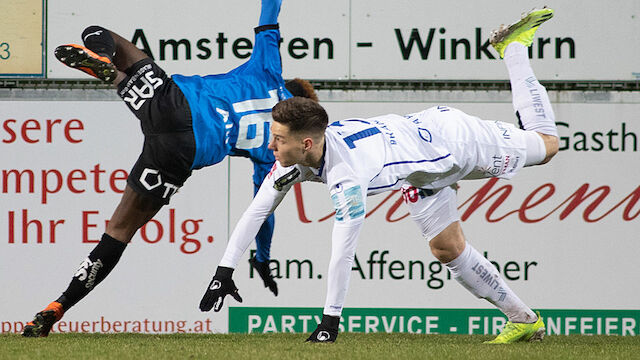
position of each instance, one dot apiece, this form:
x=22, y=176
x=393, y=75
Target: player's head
x=297, y=130
x=302, y=88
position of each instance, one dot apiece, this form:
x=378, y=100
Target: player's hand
x=220, y=286
x=327, y=330
x=265, y=273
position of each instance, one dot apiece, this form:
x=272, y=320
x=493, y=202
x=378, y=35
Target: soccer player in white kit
x=424, y=154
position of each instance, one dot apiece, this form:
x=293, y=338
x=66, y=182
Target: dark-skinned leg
x=127, y=54
x=133, y=211
x=120, y=50
x=105, y=54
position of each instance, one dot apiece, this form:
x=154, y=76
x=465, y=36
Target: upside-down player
x=188, y=122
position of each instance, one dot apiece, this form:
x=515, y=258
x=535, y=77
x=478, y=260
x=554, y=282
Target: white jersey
x=431, y=150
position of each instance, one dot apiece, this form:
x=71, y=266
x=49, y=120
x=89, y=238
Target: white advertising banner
x=362, y=39
x=62, y=171
x=564, y=235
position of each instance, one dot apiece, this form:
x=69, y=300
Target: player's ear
x=308, y=143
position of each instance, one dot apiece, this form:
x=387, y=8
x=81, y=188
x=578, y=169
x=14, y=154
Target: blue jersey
x=231, y=112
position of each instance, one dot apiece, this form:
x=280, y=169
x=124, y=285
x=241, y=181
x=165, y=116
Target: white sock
x=478, y=275
x=530, y=99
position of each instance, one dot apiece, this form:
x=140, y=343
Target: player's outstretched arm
x=350, y=212
x=269, y=12
x=273, y=189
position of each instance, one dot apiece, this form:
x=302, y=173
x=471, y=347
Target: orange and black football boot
x=81, y=58
x=43, y=321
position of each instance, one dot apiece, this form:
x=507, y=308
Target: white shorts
x=479, y=148
x=432, y=213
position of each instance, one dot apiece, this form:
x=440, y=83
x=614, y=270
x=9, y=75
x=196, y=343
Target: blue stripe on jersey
x=418, y=161
x=337, y=123
x=407, y=162
x=384, y=186
x=359, y=120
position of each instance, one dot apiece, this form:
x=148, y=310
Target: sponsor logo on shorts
x=140, y=87
x=152, y=179
x=411, y=194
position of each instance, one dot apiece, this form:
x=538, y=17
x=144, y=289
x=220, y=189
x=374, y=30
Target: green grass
x=292, y=346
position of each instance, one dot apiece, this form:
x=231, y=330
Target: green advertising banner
x=430, y=321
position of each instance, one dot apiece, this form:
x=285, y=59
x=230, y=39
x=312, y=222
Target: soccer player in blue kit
x=188, y=122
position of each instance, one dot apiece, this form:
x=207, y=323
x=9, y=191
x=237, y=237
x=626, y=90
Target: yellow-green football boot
x=515, y=332
x=521, y=31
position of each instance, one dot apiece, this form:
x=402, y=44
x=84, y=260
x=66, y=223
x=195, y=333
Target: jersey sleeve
x=273, y=189
x=266, y=49
x=269, y=12
x=348, y=198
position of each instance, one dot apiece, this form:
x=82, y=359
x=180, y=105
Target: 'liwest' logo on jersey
x=140, y=87
x=151, y=179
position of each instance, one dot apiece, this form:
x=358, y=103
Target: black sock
x=102, y=259
x=99, y=40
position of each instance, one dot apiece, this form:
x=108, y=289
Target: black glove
x=265, y=273
x=220, y=286
x=327, y=331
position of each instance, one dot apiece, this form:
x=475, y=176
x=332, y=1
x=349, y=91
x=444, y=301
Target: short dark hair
x=301, y=115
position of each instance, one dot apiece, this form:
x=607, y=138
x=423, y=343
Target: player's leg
x=105, y=54
x=482, y=279
x=133, y=211
x=161, y=169
x=530, y=99
x=438, y=219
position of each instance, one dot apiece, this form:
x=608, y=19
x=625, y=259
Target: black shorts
x=165, y=117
